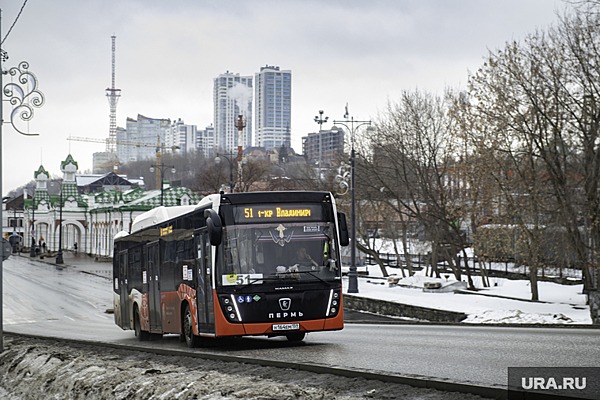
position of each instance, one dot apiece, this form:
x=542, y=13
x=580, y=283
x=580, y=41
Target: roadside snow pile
x=516, y=317
x=505, y=301
x=44, y=369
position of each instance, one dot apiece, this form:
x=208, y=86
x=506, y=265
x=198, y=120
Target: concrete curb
x=389, y=308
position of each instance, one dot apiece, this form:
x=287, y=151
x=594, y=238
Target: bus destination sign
x=278, y=212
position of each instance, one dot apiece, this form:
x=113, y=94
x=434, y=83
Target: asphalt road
x=40, y=299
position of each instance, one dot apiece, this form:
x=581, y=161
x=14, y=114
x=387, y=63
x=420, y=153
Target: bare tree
x=210, y=177
x=253, y=171
x=536, y=107
x=413, y=162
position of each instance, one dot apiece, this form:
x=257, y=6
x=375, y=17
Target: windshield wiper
x=290, y=274
x=253, y=281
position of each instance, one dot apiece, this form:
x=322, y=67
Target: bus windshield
x=294, y=251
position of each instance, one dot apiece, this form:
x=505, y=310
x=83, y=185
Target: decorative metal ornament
x=343, y=179
x=24, y=95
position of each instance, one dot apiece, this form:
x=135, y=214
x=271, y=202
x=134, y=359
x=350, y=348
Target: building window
x=15, y=222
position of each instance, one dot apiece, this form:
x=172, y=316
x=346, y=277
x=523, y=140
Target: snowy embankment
x=506, y=301
x=46, y=369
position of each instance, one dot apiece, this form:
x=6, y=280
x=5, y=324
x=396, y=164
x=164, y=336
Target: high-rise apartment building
x=232, y=96
x=325, y=146
x=273, y=99
x=144, y=131
x=181, y=136
x=205, y=141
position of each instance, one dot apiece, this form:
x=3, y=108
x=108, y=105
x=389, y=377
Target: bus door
x=153, y=263
x=123, y=290
x=206, y=316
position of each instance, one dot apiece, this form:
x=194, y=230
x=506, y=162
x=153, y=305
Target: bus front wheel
x=137, y=326
x=188, y=332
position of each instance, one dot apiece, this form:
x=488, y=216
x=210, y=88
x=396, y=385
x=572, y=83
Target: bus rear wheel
x=295, y=337
x=137, y=326
x=188, y=332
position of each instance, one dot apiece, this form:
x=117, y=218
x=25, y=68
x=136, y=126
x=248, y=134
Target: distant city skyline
x=167, y=55
x=268, y=94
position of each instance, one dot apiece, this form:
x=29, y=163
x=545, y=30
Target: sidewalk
x=78, y=261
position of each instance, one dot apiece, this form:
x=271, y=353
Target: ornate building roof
x=172, y=196
x=41, y=170
x=109, y=191
x=68, y=160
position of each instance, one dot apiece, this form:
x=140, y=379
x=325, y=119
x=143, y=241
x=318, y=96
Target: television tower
x=113, y=95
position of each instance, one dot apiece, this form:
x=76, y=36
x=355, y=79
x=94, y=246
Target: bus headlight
x=230, y=308
x=333, y=303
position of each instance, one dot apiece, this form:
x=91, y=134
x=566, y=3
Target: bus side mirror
x=215, y=228
x=344, y=235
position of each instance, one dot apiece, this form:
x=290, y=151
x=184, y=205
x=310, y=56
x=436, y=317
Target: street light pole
x=33, y=241
x=218, y=161
x=319, y=119
x=161, y=167
x=59, y=255
x=352, y=127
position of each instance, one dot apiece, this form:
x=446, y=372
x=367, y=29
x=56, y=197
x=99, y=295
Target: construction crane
x=113, y=95
x=160, y=148
x=158, y=145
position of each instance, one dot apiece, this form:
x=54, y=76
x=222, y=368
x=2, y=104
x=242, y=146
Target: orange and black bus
x=256, y=263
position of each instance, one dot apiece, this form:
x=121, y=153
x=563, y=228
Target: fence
x=565, y=275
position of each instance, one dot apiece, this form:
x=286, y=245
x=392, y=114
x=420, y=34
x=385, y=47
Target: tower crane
x=160, y=148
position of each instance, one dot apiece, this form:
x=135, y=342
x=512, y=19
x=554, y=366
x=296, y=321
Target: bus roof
x=162, y=213
x=293, y=196
x=158, y=215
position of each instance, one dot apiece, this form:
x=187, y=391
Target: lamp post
x=14, y=224
x=32, y=249
x=229, y=159
x=59, y=255
x=352, y=127
x=162, y=168
x=23, y=95
x=319, y=119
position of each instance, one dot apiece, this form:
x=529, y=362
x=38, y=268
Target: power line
x=14, y=23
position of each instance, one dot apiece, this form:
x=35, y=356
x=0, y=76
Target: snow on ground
x=33, y=368
x=559, y=304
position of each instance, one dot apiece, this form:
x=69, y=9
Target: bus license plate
x=286, y=327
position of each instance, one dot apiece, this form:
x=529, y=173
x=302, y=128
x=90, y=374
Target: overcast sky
x=359, y=52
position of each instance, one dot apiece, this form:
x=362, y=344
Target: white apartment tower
x=273, y=101
x=205, y=141
x=232, y=95
x=181, y=137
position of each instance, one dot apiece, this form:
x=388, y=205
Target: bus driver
x=304, y=259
